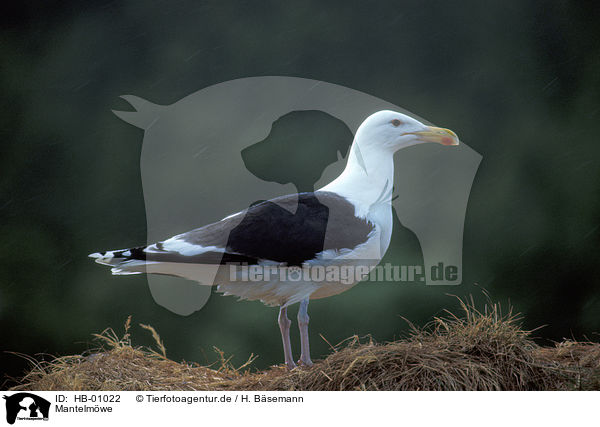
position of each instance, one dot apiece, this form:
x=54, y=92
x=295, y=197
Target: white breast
x=368, y=254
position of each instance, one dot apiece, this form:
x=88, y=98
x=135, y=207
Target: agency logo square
x=26, y=407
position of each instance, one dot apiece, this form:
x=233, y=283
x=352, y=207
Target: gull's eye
x=396, y=122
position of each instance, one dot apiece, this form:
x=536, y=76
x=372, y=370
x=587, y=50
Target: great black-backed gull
x=346, y=223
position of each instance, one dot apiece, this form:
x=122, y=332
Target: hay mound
x=478, y=351
x=117, y=365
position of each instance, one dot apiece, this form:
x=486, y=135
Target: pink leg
x=303, y=326
x=284, y=327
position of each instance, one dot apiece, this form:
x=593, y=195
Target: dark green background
x=518, y=81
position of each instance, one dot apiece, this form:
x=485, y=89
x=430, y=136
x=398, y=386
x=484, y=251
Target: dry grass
x=117, y=365
x=480, y=350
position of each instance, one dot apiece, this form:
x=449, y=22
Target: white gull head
x=370, y=168
x=390, y=131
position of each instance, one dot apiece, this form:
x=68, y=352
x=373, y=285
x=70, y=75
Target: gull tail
x=123, y=261
x=161, y=258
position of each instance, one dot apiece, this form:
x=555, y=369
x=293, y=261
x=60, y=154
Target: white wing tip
x=103, y=258
x=120, y=272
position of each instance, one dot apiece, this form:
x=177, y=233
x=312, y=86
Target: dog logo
x=221, y=136
x=26, y=406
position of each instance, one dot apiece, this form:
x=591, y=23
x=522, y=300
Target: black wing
x=290, y=229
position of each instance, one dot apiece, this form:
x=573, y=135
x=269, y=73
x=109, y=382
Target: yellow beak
x=439, y=135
